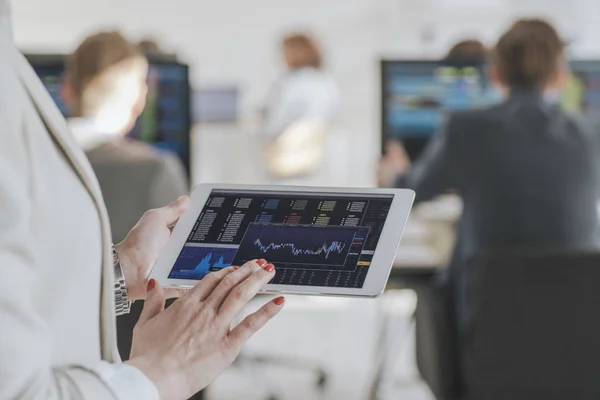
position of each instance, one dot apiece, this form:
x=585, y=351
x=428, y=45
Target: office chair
x=535, y=332
x=436, y=352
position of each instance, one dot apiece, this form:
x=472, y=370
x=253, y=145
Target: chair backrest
x=535, y=332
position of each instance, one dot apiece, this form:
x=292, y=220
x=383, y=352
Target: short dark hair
x=470, y=49
x=529, y=53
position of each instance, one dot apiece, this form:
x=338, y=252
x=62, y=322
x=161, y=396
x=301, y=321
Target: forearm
x=82, y=382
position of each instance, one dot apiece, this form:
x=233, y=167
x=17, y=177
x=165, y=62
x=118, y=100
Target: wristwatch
x=121, y=299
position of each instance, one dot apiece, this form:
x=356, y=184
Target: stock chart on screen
x=313, y=239
x=318, y=246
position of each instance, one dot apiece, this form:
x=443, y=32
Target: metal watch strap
x=121, y=299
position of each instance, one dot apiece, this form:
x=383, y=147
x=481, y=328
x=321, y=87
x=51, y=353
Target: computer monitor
x=51, y=70
x=416, y=94
x=166, y=120
x=216, y=104
x=582, y=92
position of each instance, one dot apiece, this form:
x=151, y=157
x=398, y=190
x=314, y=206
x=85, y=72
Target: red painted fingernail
x=262, y=262
x=279, y=301
x=151, y=285
x=236, y=268
x=269, y=268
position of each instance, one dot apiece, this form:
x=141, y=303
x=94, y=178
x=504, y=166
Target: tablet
x=326, y=241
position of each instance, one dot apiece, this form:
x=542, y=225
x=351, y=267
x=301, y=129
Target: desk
x=428, y=240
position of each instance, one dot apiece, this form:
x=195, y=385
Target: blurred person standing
x=301, y=107
x=106, y=90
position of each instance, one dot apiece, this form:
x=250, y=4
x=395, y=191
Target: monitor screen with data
x=416, y=95
x=166, y=120
x=314, y=239
x=582, y=92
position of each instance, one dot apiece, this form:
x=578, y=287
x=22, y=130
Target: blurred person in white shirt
x=301, y=108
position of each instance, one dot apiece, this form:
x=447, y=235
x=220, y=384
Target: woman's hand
x=144, y=243
x=184, y=348
x=395, y=162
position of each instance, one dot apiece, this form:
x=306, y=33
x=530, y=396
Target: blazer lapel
x=57, y=127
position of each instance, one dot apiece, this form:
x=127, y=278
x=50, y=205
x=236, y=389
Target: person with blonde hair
x=106, y=90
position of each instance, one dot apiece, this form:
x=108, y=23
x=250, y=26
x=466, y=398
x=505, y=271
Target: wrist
x=130, y=272
x=122, y=305
x=163, y=379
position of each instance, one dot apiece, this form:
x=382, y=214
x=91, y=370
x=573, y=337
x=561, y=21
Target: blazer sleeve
x=436, y=170
x=26, y=368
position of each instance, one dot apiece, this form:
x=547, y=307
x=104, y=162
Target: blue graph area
x=195, y=262
x=271, y=204
x=297, y=244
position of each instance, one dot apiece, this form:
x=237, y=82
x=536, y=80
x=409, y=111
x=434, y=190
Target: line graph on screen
x=299, y=244
x=325, y=249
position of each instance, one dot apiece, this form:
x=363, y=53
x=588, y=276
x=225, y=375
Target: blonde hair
x=303, y=51
x=105, y=69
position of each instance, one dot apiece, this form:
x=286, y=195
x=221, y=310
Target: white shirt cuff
x=128, y=382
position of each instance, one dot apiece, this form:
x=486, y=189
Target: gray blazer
x=135, y=177
x=527, y=173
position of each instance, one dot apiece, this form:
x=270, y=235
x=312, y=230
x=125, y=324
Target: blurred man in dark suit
x=526, y=170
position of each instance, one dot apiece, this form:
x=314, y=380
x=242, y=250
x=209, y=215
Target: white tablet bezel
x=383, y=257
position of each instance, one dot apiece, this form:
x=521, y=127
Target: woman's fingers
x=205, y=287
x=155, y=301
x=240, y=295
x=252, y=323
x=220, y=293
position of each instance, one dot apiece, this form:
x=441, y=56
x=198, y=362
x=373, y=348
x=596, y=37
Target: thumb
x=394, y=147
x=155, y=302
x=174, y=210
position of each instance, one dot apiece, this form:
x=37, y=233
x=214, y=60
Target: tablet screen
x=312, y=239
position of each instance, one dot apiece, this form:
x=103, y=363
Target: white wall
x=235, y=41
